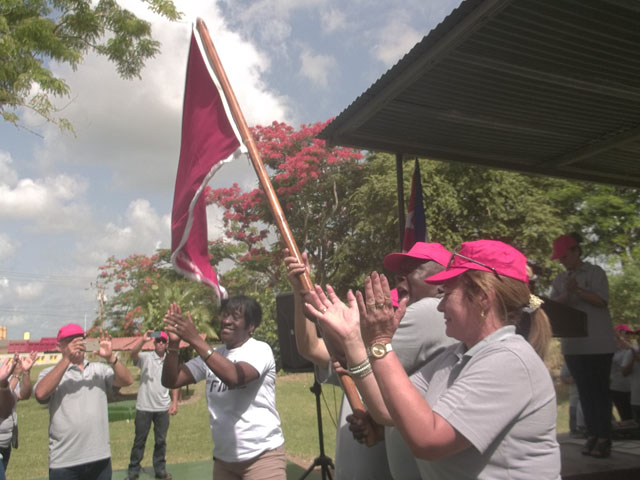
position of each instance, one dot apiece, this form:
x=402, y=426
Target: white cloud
x=50, y=203
x=132, y=128
x=333, y=20
x=7, y=248
x=7, y=173
x=29, y=291
x=141, y=230
x=395, y=39
x=316, y=67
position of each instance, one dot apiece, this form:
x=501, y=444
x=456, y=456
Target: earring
x=483, y=314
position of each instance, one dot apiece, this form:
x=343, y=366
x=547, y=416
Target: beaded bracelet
x=361, y=370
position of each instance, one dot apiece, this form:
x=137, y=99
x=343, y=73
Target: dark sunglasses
x=160, y=340
x=456, y=254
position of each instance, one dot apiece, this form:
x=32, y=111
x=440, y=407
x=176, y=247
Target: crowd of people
x=449, y=363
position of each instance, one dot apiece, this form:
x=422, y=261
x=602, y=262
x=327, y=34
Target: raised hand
x=296, y=269
x=378, y=320
x=180, y=325
x=340, y=323
x=105, y=345
x=27, y=362
x=7, y=367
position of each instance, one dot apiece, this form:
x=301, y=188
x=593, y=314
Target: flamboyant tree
x=313, y=183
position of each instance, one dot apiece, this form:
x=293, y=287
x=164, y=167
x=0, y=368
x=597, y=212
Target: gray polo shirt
x=600, y=337
x=420, y=338
x=500, y=397
x=78, y=417
x=152, y=396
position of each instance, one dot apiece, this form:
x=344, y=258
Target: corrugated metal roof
x=541, y=86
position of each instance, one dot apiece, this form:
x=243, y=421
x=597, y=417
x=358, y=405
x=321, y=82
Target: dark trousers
x=160, y=428
x=622, y=401
x=6, y=454
x=99, y=470
x=591, y=374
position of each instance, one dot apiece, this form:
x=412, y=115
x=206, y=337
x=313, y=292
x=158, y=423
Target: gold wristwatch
x=379, y=349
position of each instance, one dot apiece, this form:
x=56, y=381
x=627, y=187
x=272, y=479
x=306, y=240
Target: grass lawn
x=189, y=438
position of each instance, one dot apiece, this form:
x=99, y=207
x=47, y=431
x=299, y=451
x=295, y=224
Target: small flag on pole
x=210, y=138
x=415, y=227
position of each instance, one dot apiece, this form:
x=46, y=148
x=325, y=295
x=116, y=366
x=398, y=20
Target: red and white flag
x=210, y=138
x=415, y=227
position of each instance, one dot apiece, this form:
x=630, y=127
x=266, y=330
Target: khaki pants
x=269, y=465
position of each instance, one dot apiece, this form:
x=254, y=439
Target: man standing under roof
x=76, y=391
x=154, y=404
x=419, y=338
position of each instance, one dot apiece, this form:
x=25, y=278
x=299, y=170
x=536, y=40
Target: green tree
x=141, y=288
x=36, y=32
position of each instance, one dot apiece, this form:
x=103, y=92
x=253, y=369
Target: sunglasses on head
x=468, y=259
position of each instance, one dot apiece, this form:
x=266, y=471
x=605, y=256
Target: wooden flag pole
x=347, y=383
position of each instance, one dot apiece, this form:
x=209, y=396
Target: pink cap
x=420, y=250
x=70, y=330
x=623, y=327
x=503, y=258
x=164, y=336
x=394, y=297
x=561, y=245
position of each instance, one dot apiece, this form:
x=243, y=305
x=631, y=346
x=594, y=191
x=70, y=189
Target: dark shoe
x=602, y=449
x=164, y=476
x=132, y=476
x=588, y=447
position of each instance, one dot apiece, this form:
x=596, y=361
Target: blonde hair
x=512, y=298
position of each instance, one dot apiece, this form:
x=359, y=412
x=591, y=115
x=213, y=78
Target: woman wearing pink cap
x=486, y=407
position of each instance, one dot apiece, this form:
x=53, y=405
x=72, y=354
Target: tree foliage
x=36, y=32
x=342, y=209
x=141, y=288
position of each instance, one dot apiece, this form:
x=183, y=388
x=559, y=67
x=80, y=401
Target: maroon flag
x=415, y=227
x=209, y=139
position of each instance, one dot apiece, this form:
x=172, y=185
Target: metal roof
x=542, y=86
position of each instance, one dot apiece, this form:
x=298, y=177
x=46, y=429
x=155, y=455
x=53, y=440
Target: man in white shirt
x=154, y=404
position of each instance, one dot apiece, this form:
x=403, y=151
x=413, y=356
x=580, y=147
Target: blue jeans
x=6, y=454
x=160, y=428
x=98, y=470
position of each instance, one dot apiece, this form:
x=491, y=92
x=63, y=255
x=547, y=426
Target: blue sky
x=69, y=202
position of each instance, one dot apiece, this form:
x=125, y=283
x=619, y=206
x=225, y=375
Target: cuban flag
x=210, y=139
x=415, y=227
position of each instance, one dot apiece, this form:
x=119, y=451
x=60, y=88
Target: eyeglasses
x=456, y=254
x=160, y=340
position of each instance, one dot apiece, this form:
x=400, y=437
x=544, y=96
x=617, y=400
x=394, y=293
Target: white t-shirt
x=244, y=421
x=500, y=397
x=617, y=381
x=152, y=395
x=7, y=424
x=634, y=376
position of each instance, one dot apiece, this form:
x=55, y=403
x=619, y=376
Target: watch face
x=378, y=349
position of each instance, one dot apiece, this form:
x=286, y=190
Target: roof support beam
x=593, y=149
x=625, y=92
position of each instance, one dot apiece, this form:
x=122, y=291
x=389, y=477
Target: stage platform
x=623, y=464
